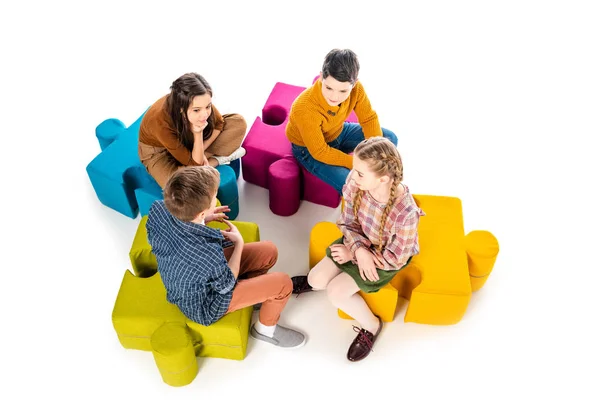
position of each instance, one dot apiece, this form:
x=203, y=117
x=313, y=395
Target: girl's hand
x=340, y=253
x=377, y=261
x=366, y=265
x=199, y=131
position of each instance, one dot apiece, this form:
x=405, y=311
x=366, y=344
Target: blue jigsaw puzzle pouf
x=122, y=183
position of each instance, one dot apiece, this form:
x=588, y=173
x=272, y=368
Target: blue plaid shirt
x=192, y=265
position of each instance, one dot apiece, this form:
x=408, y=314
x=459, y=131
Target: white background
x=493, y=102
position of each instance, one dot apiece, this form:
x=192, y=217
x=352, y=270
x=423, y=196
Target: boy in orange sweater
x=321, y=139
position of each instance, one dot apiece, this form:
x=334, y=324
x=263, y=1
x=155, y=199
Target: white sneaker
x=238, y=153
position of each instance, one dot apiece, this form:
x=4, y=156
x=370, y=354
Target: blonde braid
x=356, y=201
x=399, y=172
x=384, y=159
x=388, y=207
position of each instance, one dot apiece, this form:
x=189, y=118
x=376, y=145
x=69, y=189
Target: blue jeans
x=351, y=135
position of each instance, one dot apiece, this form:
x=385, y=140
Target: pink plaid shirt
x=400, y=236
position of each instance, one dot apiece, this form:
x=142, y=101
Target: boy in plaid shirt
x=210, y=272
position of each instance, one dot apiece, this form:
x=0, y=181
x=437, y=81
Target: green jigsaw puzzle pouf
x=174, y=354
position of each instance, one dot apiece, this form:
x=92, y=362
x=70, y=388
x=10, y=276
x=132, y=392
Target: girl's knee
x=333, y=292
x=316, y=280
x=236, y=117
x=338, y=290
x=237, y=122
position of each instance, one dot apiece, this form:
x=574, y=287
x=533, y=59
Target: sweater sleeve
x=367, y=117
x=312, y=135
x=354, y=238
x=167, y=136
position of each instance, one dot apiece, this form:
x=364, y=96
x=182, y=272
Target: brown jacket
x=157, y=129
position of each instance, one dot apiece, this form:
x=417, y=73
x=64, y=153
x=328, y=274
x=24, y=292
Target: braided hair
x=383, y=159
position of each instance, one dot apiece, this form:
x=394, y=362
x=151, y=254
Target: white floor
x=495, y=104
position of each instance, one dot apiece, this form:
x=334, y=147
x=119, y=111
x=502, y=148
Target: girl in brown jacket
x=184, y=128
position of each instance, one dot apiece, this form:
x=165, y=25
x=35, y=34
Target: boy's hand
x=232, y=234
x=218, y=214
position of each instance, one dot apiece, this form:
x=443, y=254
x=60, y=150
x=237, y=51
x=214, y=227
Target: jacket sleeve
x=167, y=136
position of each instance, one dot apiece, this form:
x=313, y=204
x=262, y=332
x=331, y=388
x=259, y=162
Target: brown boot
x=363, y=344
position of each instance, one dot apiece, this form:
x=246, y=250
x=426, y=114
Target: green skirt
x=352, y=269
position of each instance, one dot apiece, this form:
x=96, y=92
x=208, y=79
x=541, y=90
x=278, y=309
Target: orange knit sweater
x=310, y=125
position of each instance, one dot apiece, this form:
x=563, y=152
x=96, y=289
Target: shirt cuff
x=229, y=287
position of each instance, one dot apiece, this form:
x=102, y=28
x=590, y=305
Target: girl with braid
x=379, y=225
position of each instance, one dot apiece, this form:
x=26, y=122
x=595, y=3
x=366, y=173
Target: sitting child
x=380, y=236
x=210, y=272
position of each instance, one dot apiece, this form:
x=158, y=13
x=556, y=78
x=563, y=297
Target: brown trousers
x=161, y=164
x=255, y=286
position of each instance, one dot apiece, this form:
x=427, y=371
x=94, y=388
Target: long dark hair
x=183, y=91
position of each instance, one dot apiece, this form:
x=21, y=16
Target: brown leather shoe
x=363, y=344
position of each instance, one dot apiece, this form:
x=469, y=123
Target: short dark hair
x=342, y=65
x=190, y=190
